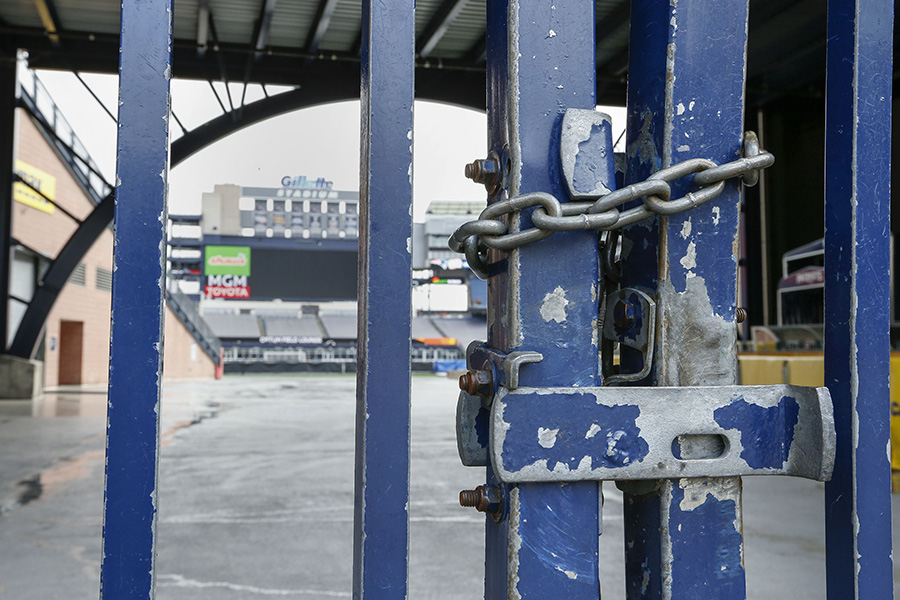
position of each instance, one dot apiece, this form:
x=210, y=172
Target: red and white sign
x=221, y=291
x=227, y=286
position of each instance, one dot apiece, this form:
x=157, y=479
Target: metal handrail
x=37, y=99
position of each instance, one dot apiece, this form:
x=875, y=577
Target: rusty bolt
x=623, y=315
x=486, y=171
x=477, y=382
x=484, y=498
x=740, y=314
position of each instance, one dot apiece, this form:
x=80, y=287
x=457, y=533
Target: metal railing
x=36, y=99
x=187, y=313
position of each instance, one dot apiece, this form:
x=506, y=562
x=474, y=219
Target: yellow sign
x=39, y=180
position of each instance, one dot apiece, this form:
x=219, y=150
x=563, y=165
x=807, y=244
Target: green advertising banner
x=227, y=260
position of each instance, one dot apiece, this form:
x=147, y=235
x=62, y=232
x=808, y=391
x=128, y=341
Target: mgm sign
x=227, y=272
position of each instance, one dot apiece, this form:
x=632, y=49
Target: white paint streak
x=592, y=431
x=514, y=545
x=547, y=437
x=553, y=308
x=684, y=148
x=569, y=574
x=717, y=213
x=679, y=110
x=690, y=258
x=551, y=34
x=698, y=490
x=180, y=581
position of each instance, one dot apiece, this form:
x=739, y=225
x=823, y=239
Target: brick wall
x=184, y=359
x=47, y=233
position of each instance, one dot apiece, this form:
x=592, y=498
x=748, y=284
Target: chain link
x=603, y=214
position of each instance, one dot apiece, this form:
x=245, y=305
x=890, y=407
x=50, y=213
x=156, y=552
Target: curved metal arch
x=468, y=92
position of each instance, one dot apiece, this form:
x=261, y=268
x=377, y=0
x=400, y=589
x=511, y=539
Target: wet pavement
x=256, y=497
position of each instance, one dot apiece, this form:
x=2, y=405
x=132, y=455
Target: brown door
x=71, y=334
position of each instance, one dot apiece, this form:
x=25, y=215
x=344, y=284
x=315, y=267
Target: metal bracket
x=472, y=430
x=634, y=433
x=472, y=411
x=513, y=361
x=631, y=321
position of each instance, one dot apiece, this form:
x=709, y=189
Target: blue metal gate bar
x=381, y=519
x=686, y=80
x=544, y=296
x=857, y=228
x=135, y=365
x=8, y=88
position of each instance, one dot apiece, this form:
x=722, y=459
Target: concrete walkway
x=256, y=499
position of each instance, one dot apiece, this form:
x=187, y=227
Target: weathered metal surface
x=632, y=433
x=8, y=86
x=547, y=546
x=857, y=226
x=381, y=519
x=584, y=151
x=472, y=430
x=137, y=321
x=684, y=541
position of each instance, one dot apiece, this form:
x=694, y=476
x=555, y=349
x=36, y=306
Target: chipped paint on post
x=678, y=108
x=542, y=297
x=857, y=228
x=381, y=502
x=553, y=307
x=137, y=316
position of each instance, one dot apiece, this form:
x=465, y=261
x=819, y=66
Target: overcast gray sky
x=322, y=141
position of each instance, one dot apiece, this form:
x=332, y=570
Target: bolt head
x=486, y=171
x=477, y=382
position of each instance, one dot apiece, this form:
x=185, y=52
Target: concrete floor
x=256, y=496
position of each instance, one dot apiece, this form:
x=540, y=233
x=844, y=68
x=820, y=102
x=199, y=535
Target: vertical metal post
x=135, y=364
x=544, y=296
x=381, y=517
x=7, y=160
x=684, y=539
x=857, y=260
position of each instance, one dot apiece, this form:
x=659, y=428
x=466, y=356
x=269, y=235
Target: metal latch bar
x=577, y=434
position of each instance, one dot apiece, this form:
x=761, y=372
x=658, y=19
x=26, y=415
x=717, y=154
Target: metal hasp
x=381, y=518
x=630, y=321
x=857, y=228
x=633, y=433
x=684, y=539
x=543, y=297
x=137, y=321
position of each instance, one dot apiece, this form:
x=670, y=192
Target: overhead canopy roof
x=315, y=44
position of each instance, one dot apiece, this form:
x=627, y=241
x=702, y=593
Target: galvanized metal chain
x=602, y=213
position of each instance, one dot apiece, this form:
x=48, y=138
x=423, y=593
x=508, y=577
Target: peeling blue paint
x=613, y=441
x=707, y=549
x=643, y=579
x=857, y=292
x=594, y=164
x=550, y=511
x=381, y=498
x=137, y=321
x=756, y=423
x=483, y=426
